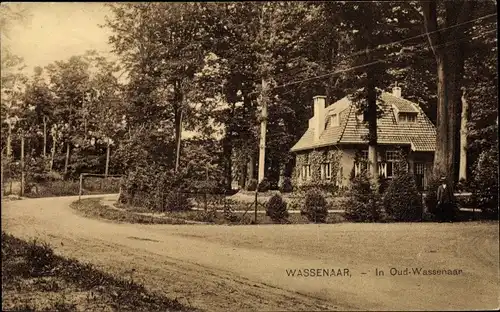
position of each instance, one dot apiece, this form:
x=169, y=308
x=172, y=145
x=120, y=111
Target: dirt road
x=221, y=268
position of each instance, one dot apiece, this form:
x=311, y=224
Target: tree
x=444, y=22
x=162, y=46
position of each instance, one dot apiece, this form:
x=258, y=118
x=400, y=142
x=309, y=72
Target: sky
x=57, y=31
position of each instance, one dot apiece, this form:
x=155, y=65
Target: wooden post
x=81, y=187
x=256, y=203
x=22, y=166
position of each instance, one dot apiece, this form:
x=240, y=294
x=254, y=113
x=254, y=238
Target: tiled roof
x=420, y=135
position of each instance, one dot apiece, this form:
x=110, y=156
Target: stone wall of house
x=315, y=158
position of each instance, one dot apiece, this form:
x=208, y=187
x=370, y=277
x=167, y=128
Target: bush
x=362, y=202
x=276, y=209
x=486, y=183
x=431, y=194
x=252, y=185
x=315, y=207
x=402, y=201
x=327, y=187
x=286, y=186
x=264, y=185
x=40, y=258
x=177, y=201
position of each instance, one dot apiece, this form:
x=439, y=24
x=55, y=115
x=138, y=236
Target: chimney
x=319, y=115
x=396, y=91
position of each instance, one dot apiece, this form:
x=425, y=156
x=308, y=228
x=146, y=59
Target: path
x=220, y=268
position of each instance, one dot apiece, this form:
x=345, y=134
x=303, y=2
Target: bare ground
x=220, y=268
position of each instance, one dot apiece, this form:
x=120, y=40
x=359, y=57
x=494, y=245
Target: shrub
x=177, y=201
x=315, y=207
x=276, y=209
x=252, y=185
x=431, y=194
x=402, y=201
x=40, y=258
x=362, y=202
x=264, y=185
x=486, y=183
x=286, y=186
x=326, y=187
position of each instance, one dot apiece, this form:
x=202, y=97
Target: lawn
x=35, y=279
x=98, y=209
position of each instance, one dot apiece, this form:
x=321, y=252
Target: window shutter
x=357, y=168
x=322, y=171
x=382, y=170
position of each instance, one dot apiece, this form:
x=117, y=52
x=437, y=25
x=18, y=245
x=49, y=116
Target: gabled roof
x=419, y=135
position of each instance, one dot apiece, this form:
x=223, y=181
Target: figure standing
x=445, y=201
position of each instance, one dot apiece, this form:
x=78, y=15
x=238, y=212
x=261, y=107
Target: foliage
x=252, y=185
x=286, y=186
x=264, y=185
x=486, y=182
x=402, y=201
x=431, y=195
x=362, y=202
x=315, y=207
x=276, y=209
x=177, y=201
x=23, y=263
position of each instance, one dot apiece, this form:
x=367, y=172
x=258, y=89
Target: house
x=334, y=145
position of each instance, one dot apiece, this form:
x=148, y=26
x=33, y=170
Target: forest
x=193, y=82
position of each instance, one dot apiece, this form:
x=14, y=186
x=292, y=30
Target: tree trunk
x=53, y=151
x=441, y=160
x=372, y=127
x=9, y=138
x=263, y=130
x=251, y=166
x=243, y=173
x=228, y=163
x=44, y=136
x=108, y=150
x=23, y=174
x=66, y=162
x=463, y=139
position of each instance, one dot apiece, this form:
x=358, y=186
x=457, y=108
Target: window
x=407, y=117
x=326, y=171
x=391, y=155
x=334, y=120
x=362, y=164
x=360, y=167
x=382, y=169
x=364, y=155
x=306, y=172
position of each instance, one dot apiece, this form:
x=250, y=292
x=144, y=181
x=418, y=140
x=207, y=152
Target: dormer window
x=334, y=120
x=407, y=117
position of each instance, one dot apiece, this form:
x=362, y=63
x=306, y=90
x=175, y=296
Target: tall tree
x=445, y=23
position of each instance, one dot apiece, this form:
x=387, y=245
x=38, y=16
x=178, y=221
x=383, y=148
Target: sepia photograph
x=250, y=156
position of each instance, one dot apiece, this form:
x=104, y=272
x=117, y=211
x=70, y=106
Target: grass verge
x=35, y=279
x=92, y=208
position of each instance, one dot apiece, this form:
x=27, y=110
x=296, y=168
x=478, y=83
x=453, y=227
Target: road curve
x=220, y=268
